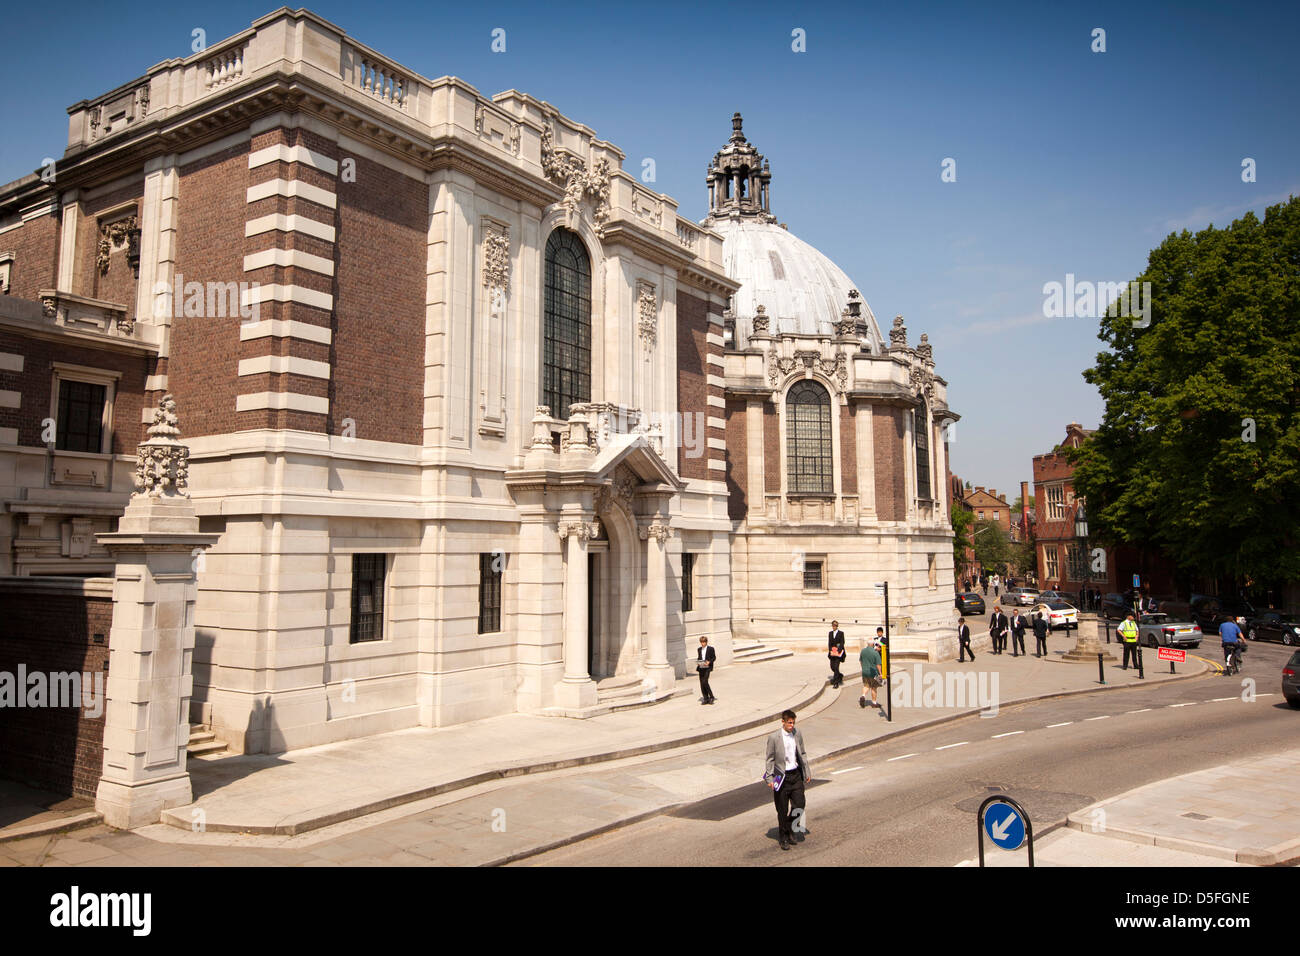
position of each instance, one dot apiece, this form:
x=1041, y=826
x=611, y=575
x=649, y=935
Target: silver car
x=1156, y=630
x=1024, y=597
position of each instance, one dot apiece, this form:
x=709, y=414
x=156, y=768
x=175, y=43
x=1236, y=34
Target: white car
x=1056, y=614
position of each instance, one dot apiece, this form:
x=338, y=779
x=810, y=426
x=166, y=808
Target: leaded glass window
x=367, y=597
x=808, y=440
x=566, y=345
x=81, y=416
x=921, y=429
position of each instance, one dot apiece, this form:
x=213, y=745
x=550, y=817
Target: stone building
x=466, y=408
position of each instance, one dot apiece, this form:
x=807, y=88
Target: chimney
x=979, y=487
x=1024, y=494
x=993, y=492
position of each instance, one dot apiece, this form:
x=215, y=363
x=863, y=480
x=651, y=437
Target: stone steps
x=204, y=743
x=754, y=652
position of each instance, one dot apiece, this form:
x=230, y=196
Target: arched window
x=921, y=431
x=810, y=460
x=566, y=335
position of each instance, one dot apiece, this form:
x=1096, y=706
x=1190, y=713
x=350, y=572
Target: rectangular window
x=1055, y=503
x=812, y=576
x=934, y=572
x=81, y=416
x=981, y=514
x=490, y=568
x=1049, y=559
x=367, y=597
x=688, y=582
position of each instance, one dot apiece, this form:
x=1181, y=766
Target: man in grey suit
x=785, y=753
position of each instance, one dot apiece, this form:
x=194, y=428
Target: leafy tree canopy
x=1198, y=453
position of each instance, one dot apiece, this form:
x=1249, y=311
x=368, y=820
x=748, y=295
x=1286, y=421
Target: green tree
x=992, y=547
x=1198, y=453
x=961, y=522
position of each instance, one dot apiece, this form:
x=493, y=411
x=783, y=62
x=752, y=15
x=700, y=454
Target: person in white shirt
x=785, y=752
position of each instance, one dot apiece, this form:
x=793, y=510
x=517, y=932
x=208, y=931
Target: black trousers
x=1018, y=638
x=1040, y=644
x=964, y=650
x=1130, y=650
x=704, y=683
x=790, y=797
x=835, y=670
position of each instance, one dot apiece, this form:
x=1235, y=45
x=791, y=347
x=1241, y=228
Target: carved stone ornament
x=114, y=234
x=496, y=261
x=898, y=334
x=583, y=530
x=647, y=209
x=845, y=325
x=925, y=351
x=125, y=324
x=778, y=367
x=921, y=379
x=762, y=321
x=49, y=306
x=143, y=99
x=162, y=461
x=647, y=308
x=657, y=530
x=578, y=182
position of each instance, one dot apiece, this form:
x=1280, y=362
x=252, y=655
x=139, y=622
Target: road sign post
x=889, y=697
x=1007, y=825
x=1172, y=655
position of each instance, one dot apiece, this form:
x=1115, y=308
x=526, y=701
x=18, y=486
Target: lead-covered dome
x=801, y=289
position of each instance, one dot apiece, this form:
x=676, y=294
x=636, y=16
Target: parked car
x=1049, y=595
x=1274, y=626
x=1115, y=607
x=1291, y=680
x=968, y=602
x=1209, y=612
x=1056, y=614
x=1024, y=597
x=1157, y=630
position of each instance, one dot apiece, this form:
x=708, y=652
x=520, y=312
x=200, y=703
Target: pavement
x=326, y=805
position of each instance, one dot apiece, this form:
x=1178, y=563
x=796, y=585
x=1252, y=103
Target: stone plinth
x=1089, y=645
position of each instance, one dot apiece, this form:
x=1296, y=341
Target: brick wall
x=692, y=383
x=891, y=489
x=379, y=304
x=771, y=449
x=51, y=627
x=35, y=245
x=205, y=351
x=737, y=461
x=848, y=450
x=119, y=283
x=36, y=379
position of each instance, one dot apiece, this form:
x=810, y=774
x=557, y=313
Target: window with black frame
x=367, y=597
x=490, y=568
x=688, y=582
x=809, y=457
x=566, y=338
x=81, y=416
x=921, y=429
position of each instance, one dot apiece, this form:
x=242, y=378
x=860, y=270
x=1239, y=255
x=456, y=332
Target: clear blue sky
x=1068, y=161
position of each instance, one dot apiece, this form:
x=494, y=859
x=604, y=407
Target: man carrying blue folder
x=787, y=773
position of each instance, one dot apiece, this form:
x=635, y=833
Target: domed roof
x=800, y=289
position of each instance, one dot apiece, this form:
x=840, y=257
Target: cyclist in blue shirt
x=1230, y=634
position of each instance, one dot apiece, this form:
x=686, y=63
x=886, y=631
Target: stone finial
x=761, y=320
x=845, y=324
x=162, y=460
x=898, y=334
x=925, y=351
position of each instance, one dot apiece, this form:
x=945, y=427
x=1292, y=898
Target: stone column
x=577, y=689
x=656, y=536
x=157, y=549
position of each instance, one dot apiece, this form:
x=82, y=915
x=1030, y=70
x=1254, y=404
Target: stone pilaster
x=577, y=689
x=157, y=549
x=656, y=536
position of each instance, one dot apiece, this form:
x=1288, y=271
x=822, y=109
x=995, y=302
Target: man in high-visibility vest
x=1128, y=636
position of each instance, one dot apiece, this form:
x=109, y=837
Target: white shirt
x=791, y=759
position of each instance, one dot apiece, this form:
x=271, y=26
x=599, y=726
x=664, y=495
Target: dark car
x=1291, y=680
x=1115, y=607
x=1209, y=612
x=1274, y=626
x=968, y=602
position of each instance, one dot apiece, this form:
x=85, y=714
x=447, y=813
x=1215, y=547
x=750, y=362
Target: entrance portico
x=608, y=498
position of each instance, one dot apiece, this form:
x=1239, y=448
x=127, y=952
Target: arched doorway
x=614, y=579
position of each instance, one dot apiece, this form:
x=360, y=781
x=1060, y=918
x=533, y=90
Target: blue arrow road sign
x=1005, y=826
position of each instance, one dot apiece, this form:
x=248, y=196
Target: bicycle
x=1232, y=662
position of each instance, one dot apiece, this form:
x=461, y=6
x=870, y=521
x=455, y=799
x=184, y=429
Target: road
x=912, y=801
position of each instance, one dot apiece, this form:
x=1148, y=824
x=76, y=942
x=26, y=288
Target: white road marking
x=1065, y=724
x=1190, y=703
x=1220, y=700
x=904, y=757
x=1102, y=717
x=1009, y=733
x=950, y=746
x=845, y=770
x=1142, y=711
x=1265, y=695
